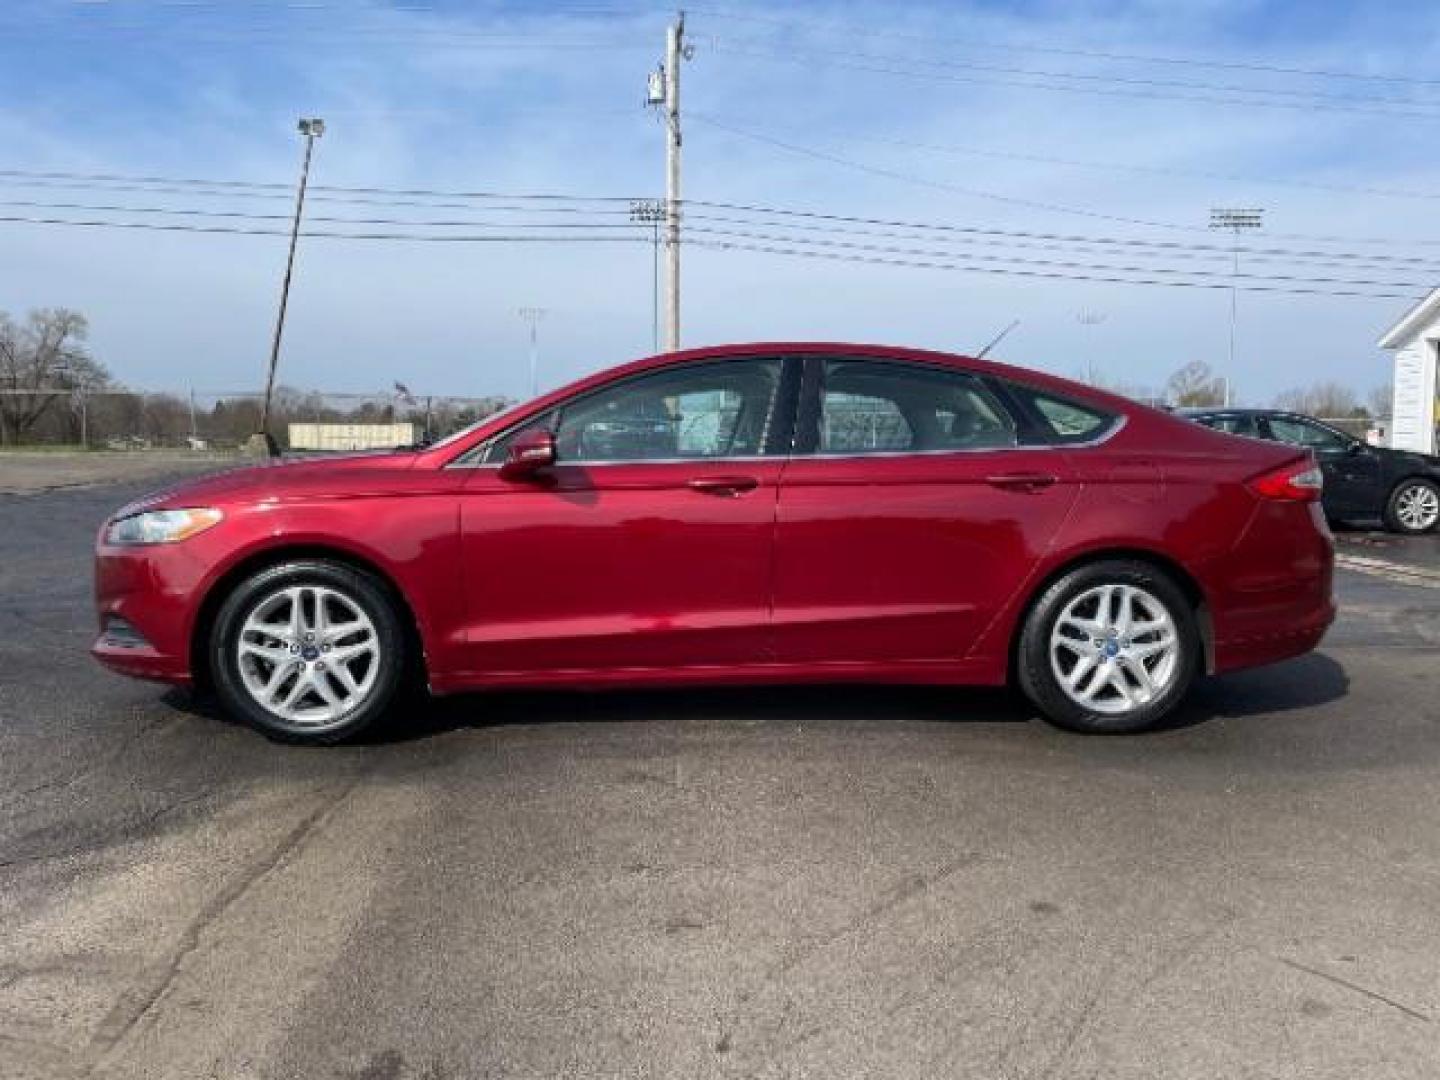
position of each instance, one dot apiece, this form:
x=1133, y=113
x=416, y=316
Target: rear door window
x=1313, y=436
x=878, y=407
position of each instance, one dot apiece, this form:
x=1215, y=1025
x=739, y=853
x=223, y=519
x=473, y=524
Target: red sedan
x=745, y=514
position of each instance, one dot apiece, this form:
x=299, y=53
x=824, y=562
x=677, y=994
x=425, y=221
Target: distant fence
x=121, y=419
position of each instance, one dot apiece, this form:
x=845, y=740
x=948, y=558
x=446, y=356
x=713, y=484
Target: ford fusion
x=744, y=514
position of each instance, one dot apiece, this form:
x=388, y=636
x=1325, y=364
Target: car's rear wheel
x=1414, y=506
x=1110, y=647
x=308, y=651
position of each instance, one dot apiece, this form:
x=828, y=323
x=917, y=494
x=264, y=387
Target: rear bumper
x=1273, y=595
x=1268, y=648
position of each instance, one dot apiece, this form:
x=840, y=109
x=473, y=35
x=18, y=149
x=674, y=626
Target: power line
x=782, y=246
x=846, y=245
x=1093, y=245
x=939, y=185
x=1091, y=54
x=339, y=189
x=215, y=188
x=799, y=57
x=1084, y=245
x=770, y=249
x=598, y=206
x=1150, y=170
x=906, y=63
x=921, y=181
x=154, y=226
x=241, y=215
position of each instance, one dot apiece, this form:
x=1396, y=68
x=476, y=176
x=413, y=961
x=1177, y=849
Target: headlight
x=161, y=526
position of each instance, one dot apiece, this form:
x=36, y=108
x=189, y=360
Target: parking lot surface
x=781, y=882
x=28, y=471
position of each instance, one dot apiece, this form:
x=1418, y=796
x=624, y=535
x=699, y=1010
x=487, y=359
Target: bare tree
x=1326, y=399
x=1381, y=400
x=45, y=357
x=1195, y=384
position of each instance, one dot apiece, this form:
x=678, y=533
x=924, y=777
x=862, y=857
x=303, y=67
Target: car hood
x=283, y=479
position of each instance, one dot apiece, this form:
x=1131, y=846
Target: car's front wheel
x=308, y=651
x=1109, y=647
x=1414, y=506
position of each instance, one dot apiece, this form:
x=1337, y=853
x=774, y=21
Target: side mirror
x=531, y=452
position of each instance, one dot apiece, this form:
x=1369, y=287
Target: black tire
x=1036, y=673
x=356, y=588
x=1394, y=521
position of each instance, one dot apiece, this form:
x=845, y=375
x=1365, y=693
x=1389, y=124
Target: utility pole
x=533, y=316
x=665, y=93
x=312, y=128
x=1236, y=221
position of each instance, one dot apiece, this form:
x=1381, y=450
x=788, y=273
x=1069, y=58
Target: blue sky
x=917, y=113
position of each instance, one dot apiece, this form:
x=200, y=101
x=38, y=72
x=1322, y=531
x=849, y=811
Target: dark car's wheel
x=1414, y=506
x=308, y=651
x=1110, y=647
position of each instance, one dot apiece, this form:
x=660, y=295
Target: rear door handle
x=726, y=486
x=1021, y=481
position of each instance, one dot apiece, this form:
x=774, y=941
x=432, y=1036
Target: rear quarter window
x=1064, y=420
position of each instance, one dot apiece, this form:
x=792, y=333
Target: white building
x=1415, y=340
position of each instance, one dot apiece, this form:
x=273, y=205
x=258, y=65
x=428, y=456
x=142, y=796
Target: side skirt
x=922, y=672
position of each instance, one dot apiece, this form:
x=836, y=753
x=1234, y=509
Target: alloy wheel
x=308, y=655
x=1417, y=506
x=1114, y=649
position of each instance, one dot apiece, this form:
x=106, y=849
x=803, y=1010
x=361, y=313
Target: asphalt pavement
x=780, y=883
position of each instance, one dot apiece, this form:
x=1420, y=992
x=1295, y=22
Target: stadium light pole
x=652, y=213
x=1086, y=317
x=312, y=128
x=1236, y=221
x=533, y=315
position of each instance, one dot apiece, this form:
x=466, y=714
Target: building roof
x=1424, y=312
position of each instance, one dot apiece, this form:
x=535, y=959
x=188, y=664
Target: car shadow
x=1304, y=683
x=765, y=705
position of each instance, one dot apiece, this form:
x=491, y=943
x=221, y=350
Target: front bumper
x=153, y=590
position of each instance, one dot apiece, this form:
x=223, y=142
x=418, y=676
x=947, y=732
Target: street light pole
x=312, y=128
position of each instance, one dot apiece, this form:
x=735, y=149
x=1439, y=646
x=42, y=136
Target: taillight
x=1300, y=481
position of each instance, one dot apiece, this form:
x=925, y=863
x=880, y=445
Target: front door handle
x=1021, y=481
x=726, y=486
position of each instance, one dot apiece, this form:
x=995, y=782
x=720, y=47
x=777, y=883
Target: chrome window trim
x=636, y=461
x=1121, y=420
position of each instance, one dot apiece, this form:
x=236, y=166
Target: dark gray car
x=1361, y=481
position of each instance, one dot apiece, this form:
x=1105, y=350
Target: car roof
x=1038, y=380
